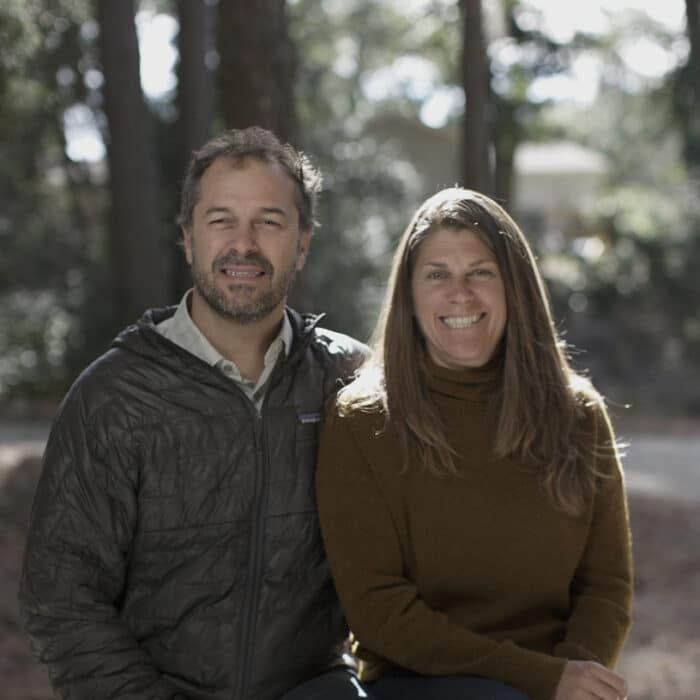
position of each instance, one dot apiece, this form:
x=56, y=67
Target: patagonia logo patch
x=312, y=417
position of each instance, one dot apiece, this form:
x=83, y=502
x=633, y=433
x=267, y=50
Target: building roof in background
x=558, y=157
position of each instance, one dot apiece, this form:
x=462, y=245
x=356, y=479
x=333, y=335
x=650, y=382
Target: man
x=173, y=548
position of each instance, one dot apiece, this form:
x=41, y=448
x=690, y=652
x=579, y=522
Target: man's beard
x=244, y=303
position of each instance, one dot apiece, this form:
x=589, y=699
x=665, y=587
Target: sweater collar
x=471, y=383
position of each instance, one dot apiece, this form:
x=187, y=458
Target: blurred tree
x=626, y=287
x=257, y=77
x=523, y=55
x=139, y=270
x=687, y=91
x=369, y=185
x=258, y=66
x=476, y=140
x=631, y=304
x=195, y=101
x=366, y=88
x=50, y=225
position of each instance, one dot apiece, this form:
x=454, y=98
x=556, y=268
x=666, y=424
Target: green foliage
x=19, y=37
x=634, y=300
x=369, y=187
x=50, y=223
x=627, y=288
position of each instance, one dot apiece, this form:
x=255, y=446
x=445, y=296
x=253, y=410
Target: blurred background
x=582, y=119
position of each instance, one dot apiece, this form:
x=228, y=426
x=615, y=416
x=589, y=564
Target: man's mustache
x=232, y=259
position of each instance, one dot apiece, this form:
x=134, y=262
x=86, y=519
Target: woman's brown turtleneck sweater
x=476, y=574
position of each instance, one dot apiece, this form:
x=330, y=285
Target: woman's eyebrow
x=482, y=261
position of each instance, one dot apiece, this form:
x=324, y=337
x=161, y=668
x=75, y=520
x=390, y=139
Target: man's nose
x=244, y=238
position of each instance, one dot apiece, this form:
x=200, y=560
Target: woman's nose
x=461, y=291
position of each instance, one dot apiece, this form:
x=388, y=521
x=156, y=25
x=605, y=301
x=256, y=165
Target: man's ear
x=303, y=248
x=187, y=242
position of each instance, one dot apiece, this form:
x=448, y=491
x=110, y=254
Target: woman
x=471, y=498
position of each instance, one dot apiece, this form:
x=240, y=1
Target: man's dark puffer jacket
x=174, y=547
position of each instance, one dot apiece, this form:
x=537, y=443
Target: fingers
x=587, y=680
x=606, y=684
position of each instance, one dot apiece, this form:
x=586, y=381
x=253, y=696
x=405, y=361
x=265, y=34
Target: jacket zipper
x=257, y=531
x=255, y=559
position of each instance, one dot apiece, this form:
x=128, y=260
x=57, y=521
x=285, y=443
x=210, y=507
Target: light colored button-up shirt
x=181, y=330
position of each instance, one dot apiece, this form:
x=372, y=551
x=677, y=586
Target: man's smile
x=243, y=274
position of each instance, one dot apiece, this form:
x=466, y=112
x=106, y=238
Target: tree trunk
x=138, y=260
x=503, y=172
x=257, y=75
x=195, y=98
x=258, y=66
x=688, y=91
x=476, y=170
x=692, y=11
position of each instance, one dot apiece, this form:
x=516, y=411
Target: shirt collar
x=181, y=329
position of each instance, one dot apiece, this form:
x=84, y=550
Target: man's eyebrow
x=273, y=210
x=220, y=209
x=216, y=210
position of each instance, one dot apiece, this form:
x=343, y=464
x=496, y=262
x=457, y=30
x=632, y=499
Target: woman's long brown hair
x=540, y=400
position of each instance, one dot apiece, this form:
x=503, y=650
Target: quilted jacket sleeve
x=81, y=526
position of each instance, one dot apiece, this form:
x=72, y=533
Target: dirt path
x=664, y=466
x=661, y=660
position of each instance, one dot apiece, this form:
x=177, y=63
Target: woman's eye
x=437, y=275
